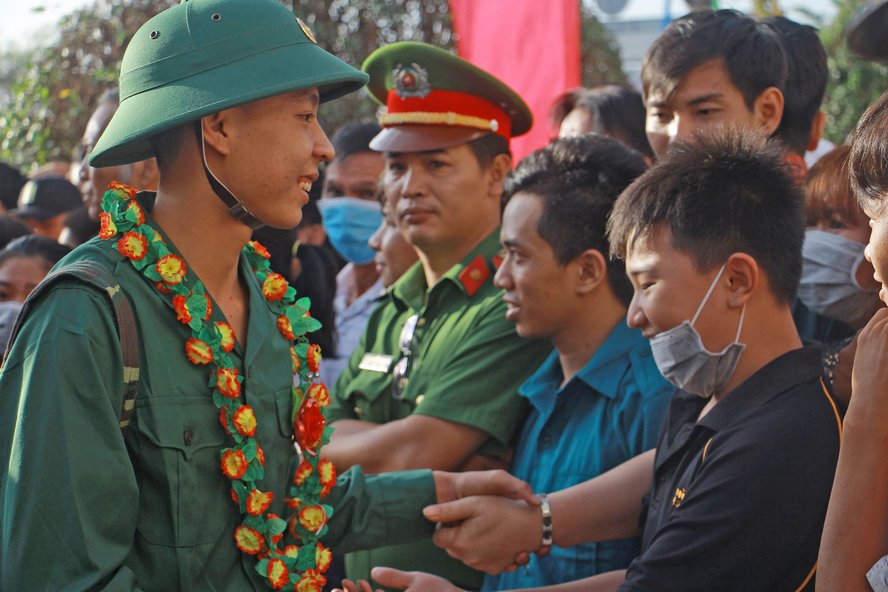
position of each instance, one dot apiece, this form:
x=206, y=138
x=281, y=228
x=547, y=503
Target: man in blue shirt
x=598, y=400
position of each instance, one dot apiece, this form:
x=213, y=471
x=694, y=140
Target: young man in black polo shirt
x=735, y=494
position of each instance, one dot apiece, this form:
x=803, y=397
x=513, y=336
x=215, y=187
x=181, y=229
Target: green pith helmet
x=435, y=99
x=203, y=56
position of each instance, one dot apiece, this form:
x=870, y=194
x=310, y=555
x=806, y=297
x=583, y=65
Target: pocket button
x=187, y=437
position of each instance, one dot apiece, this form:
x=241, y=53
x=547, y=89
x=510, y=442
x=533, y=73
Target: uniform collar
x=468, y=276
x=603, y=373
x=775, y=378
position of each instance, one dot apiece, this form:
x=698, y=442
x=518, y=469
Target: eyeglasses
x=402, y=366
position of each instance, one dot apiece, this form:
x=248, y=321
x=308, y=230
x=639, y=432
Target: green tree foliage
x=54, y=94
x=49, y=103
x=601, y=61
x=853, y=83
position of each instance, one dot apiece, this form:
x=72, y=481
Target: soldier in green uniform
x=193, y=490
x=434, y=380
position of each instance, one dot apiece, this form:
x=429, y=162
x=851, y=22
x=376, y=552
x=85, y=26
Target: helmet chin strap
x=235, y=206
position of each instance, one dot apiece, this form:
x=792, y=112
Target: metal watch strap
x=546, y=513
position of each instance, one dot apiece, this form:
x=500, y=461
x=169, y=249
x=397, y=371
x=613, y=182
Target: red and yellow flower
x=234, y=464
x=274, y=287
x=132, y=245
x=223, y=418
x=244, y=420
x=311, y=581
x=228, y=383
x=318, y=391
x=107, y=228
x=278, y=575
x=303, y=472
x=285, y=327
x=135, y=210
x=171, y=269
x=312, y=518
x=180, y=305
x=198, y=352
x=249, y=540
x=291, y=551
x=314, y=358
x=258, y=501
x=260, y=455
x=122, y=190
x=323, y=558
x=309, y=428
x=226, y=336
x=294, y=357
x=259, y=249
x=327, y=474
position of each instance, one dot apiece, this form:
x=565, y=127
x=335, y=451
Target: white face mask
x=684, y=361
x=829, y=277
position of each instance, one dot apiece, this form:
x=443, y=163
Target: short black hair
x=577, y=180
x=11, y=183
x=869, y=155
x=35, y=245
x=488, y=147
x=11, y=228
x=752, y=53
x=724, y=191
x=805, y=81
x=617, y=109
x=354, y=138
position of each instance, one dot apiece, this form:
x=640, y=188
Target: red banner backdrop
x=532, y=45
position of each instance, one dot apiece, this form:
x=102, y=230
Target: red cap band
x=449, y=108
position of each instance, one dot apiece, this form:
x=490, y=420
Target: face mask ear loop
x=235, y=207
x=708, y=294
x=740, y=323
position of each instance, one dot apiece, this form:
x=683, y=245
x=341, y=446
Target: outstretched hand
x=453, y=486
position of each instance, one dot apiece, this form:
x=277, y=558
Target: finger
x=456, y=511
x=348, y=586
x=445, y=538
x=522, y=558
x=392, y=578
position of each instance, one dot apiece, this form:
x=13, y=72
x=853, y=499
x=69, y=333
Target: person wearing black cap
x=43, y=204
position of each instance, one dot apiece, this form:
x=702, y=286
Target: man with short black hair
x=712, y=67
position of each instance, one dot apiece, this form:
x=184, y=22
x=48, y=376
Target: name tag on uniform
x=376, y=362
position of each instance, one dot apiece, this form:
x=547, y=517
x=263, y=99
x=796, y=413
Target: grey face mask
x=684, y=361
x=829, y=277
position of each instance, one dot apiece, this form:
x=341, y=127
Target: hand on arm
x=422, y=582
x=855, y=534
x=415, y=442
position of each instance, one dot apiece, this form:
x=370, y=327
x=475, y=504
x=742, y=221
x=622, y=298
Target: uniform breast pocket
x=184, y=498
x=370, y=396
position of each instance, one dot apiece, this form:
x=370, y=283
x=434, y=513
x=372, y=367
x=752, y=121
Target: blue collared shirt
x=608, y=413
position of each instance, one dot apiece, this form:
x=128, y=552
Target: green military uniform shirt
x=466, y=365
x=84, y=505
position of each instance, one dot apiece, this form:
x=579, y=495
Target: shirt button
x=187, y=437
x=402, y=383
x=420, y=399
x=421, y=322
x=358, y=411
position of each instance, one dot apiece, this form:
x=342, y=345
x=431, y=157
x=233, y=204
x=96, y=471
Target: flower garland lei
x=261, y=531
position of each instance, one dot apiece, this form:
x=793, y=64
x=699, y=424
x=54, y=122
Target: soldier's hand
x=351, y=586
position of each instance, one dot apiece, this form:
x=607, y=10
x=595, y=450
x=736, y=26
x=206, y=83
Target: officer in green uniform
x=225, y=94
x=434, y=380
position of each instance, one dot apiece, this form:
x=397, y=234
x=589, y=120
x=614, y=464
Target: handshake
x=489, y=520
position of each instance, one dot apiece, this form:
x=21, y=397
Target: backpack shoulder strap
x=93, y=273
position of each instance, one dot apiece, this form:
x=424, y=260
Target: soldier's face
x=440, y=198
